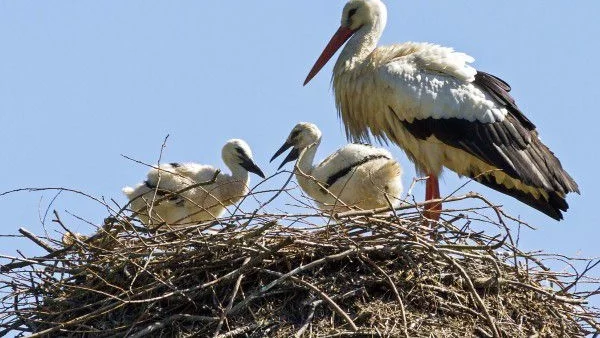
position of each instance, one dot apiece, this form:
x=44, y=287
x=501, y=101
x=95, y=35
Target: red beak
x=339, y=38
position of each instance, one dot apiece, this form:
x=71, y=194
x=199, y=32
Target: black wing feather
x=499, y=90
x=511, y=145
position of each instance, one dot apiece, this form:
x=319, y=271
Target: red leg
x=432, y=191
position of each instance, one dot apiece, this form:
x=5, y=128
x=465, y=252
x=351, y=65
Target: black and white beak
x=248, y=164
x=292, y=156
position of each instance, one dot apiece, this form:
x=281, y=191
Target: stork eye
x=294, y=134
x=352, y=12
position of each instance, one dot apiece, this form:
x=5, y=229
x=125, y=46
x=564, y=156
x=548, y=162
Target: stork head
x=359, y=13
x=301, y=137
x=236, y=152
x=368, y=15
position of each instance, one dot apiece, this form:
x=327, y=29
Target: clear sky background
x=82, y=82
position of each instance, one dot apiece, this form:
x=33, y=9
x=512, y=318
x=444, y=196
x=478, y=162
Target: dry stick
x=439, y=200
x=278, y=191
x=272, y=198
x=503, y=224
x=361, y=334
x=588, y=267
x=62, y=225
x=99, y=312
x=321, y=294
x=483, y=332
x=143, y=269
x=474, y=247
x=474, y=293
x=308, y=319
x=162, y=148
x=36, y=240
x=253, y=261
x=299, y=269
x=157, y=167
x=593, y=324
x=43, y=219
x=462, y=307
x=230, y=304
x=393, y=286
x=31, y=189
x=258, y=231
x=239, y=331
x=178, y=317
x=225, y=277
x=34, y=260
x=25, y=321
x=403, y=207
x=550, y=295
x=18, y=262
x=16, y=326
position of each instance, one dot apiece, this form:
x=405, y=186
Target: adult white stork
x=355, y=175
x=198, y=204
x=432, y=103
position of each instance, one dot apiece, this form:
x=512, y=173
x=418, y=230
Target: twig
x=393, y=287
x=321, y=294
x=403, y=207
x=307, y=320
x=179, y=317
x=308, y=266
x=230, y=304
x=242, y=329
x=475, y=295
x=36, y=240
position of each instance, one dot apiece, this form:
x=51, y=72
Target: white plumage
x=199, y=204
x=431, y=102
x=356, y=175
x=427, y=80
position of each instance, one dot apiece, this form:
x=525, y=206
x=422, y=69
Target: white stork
x=432, y=103
x=198, y=204
x=356, y=175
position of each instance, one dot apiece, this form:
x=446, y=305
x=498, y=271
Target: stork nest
x=358, y=273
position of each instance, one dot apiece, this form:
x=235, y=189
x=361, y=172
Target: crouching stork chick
x=201, y=203
x=356, y=175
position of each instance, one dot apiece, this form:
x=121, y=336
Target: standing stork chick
x=441, y=111
x=198, y=204
x=356, y=175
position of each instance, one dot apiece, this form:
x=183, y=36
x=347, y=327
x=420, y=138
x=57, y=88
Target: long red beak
x=339, y=38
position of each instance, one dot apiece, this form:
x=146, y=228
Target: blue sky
x=82, y=82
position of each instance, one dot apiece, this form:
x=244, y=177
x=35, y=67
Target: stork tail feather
x=552, y=207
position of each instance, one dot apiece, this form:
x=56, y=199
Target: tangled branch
x=375, y=272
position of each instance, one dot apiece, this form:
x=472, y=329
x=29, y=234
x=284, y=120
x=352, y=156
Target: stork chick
x=356, y=175
x=198, y=204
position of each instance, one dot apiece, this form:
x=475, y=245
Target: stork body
x=201, y=203
x=431, y=102
x=355, y=175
